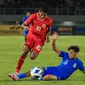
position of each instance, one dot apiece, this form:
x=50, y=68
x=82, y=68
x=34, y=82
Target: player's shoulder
x=34, y=15
x=48, y=18
x=78, y=60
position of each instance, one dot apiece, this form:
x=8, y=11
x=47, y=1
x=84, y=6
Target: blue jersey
x=23, y=20
x=66, y=68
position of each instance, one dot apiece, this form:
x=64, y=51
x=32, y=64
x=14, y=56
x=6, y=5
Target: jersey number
x=38, y=28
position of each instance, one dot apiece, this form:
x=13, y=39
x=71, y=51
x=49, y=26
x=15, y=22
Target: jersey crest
x=74, y=65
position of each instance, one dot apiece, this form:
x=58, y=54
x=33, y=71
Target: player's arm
x=28, y=21
x=81, y=67
x=25, y=26
x=47, y=36
x=48, y=32
x=54, y=38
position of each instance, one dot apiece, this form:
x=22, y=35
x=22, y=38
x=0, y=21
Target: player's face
x=72, y=54
x=28, y=13
x=42, y=15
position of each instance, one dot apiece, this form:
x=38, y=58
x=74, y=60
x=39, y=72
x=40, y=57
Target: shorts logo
x=38, y=47
x=74, y=65
x=66, y=62
x=28, y=43
x=46, y=68
x=43, y=25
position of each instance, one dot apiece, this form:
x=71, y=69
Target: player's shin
x=24, y=75
x=20, y=63
x=21, y=59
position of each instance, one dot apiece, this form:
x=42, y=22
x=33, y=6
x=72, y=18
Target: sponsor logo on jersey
x=43, y=25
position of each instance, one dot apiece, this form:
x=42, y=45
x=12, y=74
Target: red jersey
x=38, y=28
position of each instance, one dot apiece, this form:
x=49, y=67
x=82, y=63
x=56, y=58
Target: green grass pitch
x=11, y=48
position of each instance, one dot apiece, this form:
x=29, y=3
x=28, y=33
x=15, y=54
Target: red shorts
x=35, y=44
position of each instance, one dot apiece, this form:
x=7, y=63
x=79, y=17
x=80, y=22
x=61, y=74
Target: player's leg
x=25, y=34
x=33, y=55
x=50, y=77
x=25, y=38
x=22, y=58
x=27, y=47
x=36, y=50
x=24, y=75
x=49, y=73
x=20, y=62
x=15, y=77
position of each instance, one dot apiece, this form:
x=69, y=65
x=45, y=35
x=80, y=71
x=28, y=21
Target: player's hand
x=47, y=40
x=26, y=27
x=55, y=36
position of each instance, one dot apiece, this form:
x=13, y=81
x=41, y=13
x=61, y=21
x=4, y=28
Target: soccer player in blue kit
x=70, y=63
x=23, y=20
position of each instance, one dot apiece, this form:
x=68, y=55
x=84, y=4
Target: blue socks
x=22, y=75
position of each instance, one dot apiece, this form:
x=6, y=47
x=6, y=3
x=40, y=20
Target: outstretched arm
x=48, y=32
x=47, y=37
x=81, y=66
x=28, y=21
x=54, y=38
x=25, y=26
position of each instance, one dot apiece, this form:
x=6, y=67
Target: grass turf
x=11, y=48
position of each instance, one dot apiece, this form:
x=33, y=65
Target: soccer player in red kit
x=40, y=25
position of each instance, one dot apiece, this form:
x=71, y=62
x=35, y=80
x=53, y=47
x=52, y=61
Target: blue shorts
x=53, y=71
x=25, y=32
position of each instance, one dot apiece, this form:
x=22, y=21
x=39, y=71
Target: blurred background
x=68, y=15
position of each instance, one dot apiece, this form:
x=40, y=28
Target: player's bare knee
x=32, y=57
x=46, y=77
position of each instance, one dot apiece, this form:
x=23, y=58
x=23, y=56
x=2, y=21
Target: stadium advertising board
x=11, y=30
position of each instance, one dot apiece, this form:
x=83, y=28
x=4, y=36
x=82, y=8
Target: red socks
x=20, y=63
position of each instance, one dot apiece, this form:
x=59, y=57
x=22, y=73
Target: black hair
x=44, y=9
x=75, y=48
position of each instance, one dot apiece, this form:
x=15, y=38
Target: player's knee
x=46, y=77
x=32, y=57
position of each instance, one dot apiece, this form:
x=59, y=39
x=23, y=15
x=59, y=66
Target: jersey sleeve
x=63, y=54
x=30, y=19
x=81, y=66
